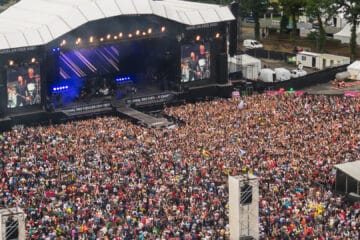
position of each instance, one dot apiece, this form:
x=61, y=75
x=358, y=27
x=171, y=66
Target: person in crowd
x=106, y=178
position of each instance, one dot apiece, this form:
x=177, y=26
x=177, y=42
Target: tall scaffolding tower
x=12, y=224
x=244, y=207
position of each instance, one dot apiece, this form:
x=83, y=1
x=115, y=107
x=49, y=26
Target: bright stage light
x=163, y=29
x=198, y=38
x=217, y=35
x=63, y=42
x=115, y=37
x=11, y=62
x=33, y=60
x=120, y=35
x=78, y=41
x=144, y=33
x=137, y=32
x=149, y=31
x=130, y=35
x=101, y=39
x=108, y=36
x=91, y=39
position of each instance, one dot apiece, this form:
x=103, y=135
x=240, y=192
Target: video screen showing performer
x=195, y=62
x=23, y=86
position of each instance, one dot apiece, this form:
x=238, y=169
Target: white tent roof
x=355, y=66
x=37, y=22
x=350, y=168
x=345, y=34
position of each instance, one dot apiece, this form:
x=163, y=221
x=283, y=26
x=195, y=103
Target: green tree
x=351, y=10
x=293, y=8
x=257, y=8
x=284, y=22
x=321, y=9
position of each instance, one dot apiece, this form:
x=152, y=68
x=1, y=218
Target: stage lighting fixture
x=144, y=33
x=78, y=41
x=130, y=35
x=11, y=62
x=115, y=37
x=63, y=42
x=91, y=39
x=137, y=32
x=149, y=31
x=163, y=29
x=33, y=60
x=198, y=38
x=120, y=35
x=101, y=39
x=217, y=35
x=108, y=36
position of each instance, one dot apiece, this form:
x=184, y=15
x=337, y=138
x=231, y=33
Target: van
x=250, y=44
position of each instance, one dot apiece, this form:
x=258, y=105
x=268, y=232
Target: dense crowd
x=106, y=178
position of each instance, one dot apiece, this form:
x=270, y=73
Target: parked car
x=251, y=44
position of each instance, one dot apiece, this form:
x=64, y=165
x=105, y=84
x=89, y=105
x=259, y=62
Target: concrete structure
x=244, y=206
x=12, y=223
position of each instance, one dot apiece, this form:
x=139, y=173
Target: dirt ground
x=281, y=42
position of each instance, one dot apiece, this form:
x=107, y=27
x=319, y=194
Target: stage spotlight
x=33, y=60
x=91, y=39
x=149, y=31
x=130, y=35
x=101, y=39
x=115, y=37
x=63, y=42
x=11, y=62
x=217, y=35
x=163, y=29
x=137, y=32
x=78, y=41
x=198, y=38
x=144, y=33
x=120, y=35
x=108, y=36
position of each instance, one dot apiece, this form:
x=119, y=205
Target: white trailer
x=320, y=60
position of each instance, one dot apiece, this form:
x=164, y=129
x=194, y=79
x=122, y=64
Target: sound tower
x=222, y=69
x=233, y=29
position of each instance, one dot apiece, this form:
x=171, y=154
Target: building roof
x=38, y=22
x=350, y=168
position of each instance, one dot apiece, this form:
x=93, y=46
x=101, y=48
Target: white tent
x=248, y=65
x=37, y=22
x=348, y=177
x=282, y=74
x=354, y=70
x=345, y=34
x=267, y=75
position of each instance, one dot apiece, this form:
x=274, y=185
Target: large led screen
x=195, y=62
x=23, y=86
x=89, y=62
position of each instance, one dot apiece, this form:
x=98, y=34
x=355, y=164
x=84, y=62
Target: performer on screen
x=203, y=61
x=22, y=93
x=194, y=68
x=33, y=86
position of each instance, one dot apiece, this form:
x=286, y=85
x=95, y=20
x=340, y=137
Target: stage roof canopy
x=350, y=168
x=38, y=22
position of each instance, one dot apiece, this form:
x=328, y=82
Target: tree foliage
x=320, y=9
x=293, y=8
x=257, y=8
x=351, y=10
